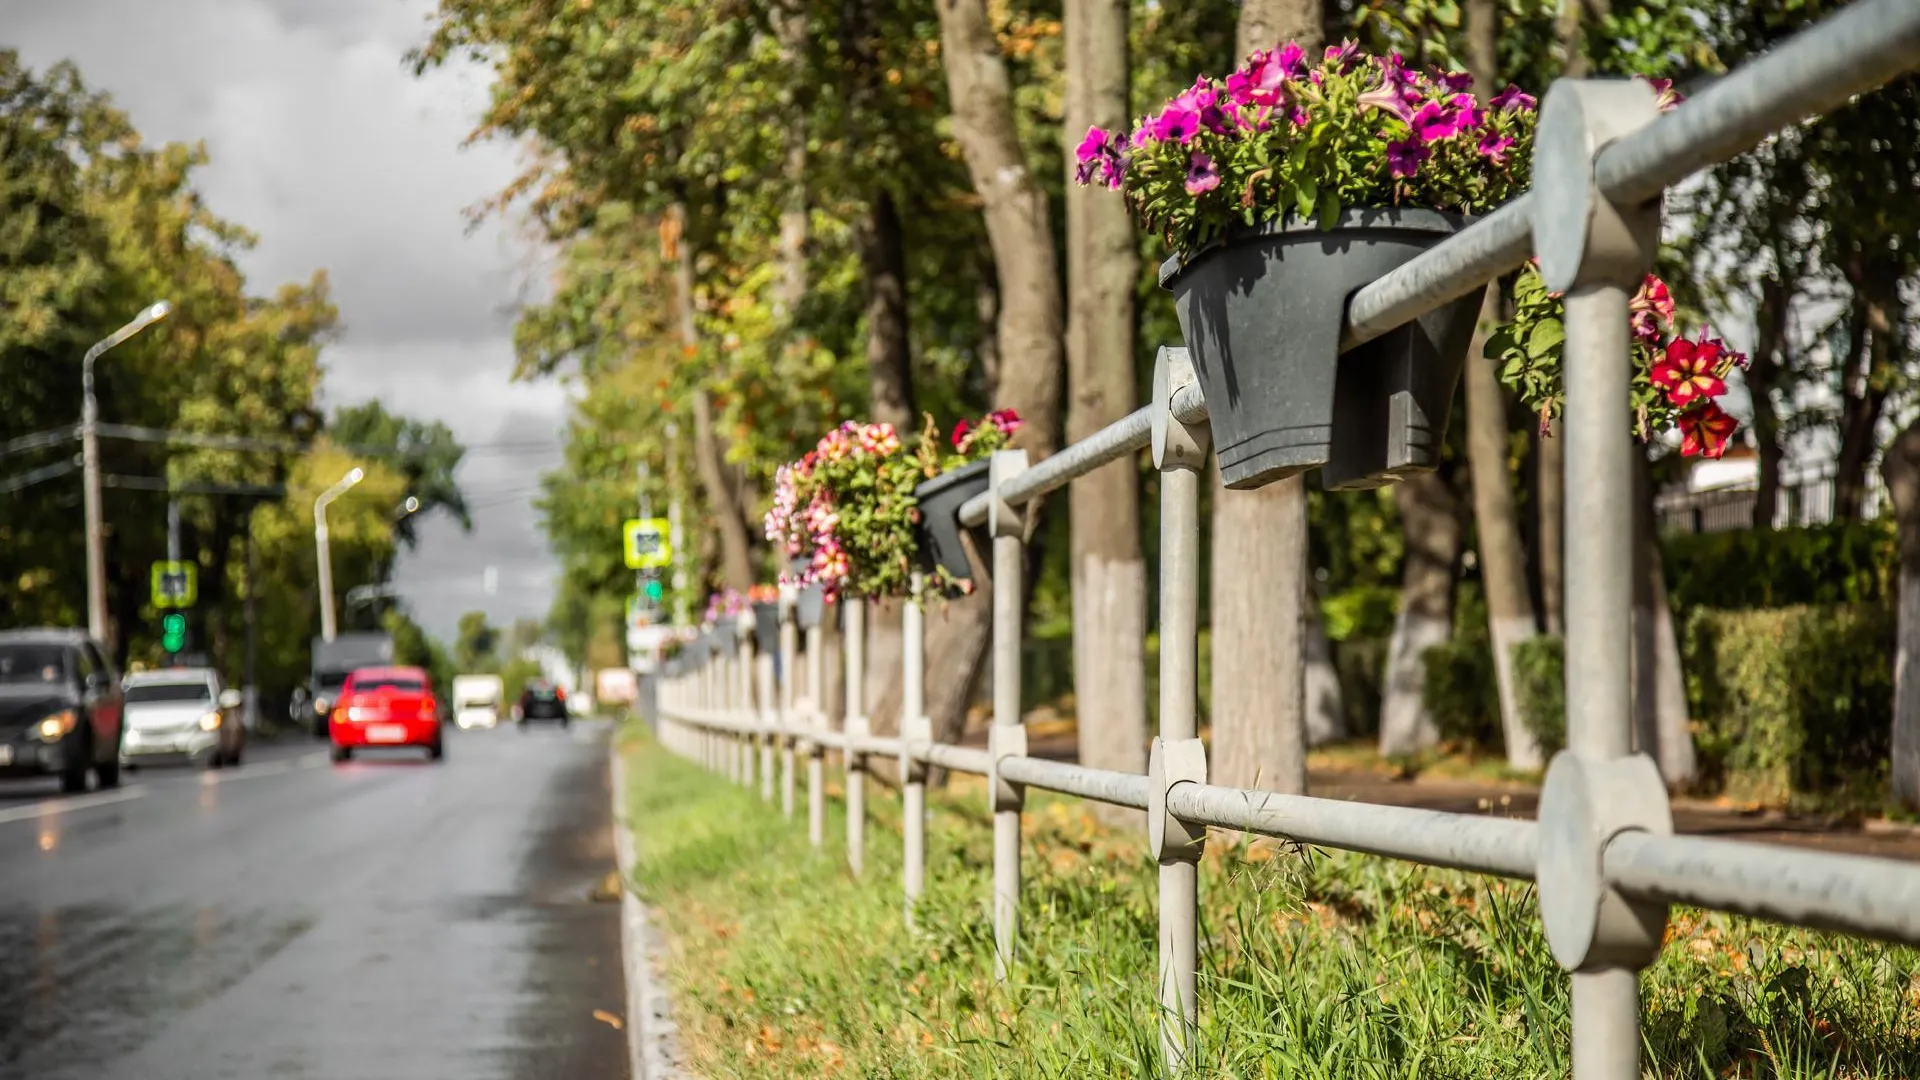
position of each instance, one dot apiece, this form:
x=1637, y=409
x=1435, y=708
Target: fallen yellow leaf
x=609, y=1019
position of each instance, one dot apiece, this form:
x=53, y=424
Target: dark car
x=60, y=706
x=541, y=700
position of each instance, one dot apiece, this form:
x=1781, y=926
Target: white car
x=476, y=700
x=181, y=714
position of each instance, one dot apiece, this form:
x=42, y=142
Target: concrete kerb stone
x=653, y=1039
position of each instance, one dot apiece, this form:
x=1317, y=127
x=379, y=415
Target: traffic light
x=173, y=632
x=655, y=591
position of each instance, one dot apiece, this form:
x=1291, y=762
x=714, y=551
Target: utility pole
x=250, y=691
x=90, y=469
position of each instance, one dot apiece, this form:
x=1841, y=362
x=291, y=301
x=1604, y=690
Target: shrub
x=1843, y=563
x=1795, y=704
x=1540, y=689
x=1461, y=692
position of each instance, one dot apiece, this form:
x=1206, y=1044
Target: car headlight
x=320, y=706
x=210, y=722
x=55, y=727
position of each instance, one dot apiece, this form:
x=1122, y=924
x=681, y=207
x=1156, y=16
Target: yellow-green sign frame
x=175, y=584
x=645, y=544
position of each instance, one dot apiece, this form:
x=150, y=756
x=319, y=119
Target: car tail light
x=559, y=694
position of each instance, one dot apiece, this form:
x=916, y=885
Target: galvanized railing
x=1602, y=850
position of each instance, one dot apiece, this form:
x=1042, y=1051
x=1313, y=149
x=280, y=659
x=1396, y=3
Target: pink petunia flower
x=1513, y=99
x=1202, y=177
x=1404, y=158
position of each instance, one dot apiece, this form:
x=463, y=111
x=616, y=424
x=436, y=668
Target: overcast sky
x=327, y=146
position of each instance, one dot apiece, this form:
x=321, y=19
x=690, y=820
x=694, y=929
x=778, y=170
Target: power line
x=161, y=484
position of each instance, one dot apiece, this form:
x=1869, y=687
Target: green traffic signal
x=173, y=632
x=655, y=590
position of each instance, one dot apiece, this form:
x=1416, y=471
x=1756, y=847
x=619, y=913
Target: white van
x=476, y=700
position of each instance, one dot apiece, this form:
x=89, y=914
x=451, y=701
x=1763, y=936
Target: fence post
x=915, y=727
x=783, y=720
x=765, y=717
x=740, y=745
x=854, y=641
x=816, y=750
x=1178, y=756
x=1597, y=254
x=1007, y=737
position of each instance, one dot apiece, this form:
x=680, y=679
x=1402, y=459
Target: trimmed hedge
x=1853, y=562
x=1794, y=705
x=1540, y=689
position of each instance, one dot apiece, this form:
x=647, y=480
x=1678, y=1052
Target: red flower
x=960, y=430
x=1706, y=431
x=1690, y=371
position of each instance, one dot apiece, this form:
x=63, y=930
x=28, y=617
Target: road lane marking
x=49, y=807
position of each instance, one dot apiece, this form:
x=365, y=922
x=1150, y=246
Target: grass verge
x=1315, y=964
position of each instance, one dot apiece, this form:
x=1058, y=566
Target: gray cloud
x=325, y=144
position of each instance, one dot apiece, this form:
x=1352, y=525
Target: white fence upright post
x=854, y=641
x=783, y=720
x=1178, y=756
x=1597, y=253
x=816, y=750
x=746, y=662
x=765, y=717
x=1007, y=737
x=915, y=727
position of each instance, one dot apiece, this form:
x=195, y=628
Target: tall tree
x=1901, y=468
x=1027, y=334
x=1430, y=514
x=1503, y=565
x=1259, y=558
x=1109, y=573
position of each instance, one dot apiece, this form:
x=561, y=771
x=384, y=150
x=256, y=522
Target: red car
x=385, y=706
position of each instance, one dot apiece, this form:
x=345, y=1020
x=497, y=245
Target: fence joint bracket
x=1584, y=803
x=1170, y=763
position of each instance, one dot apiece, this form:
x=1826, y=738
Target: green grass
x=1314, y=964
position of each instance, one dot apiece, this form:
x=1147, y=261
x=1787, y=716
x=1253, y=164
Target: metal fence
x=1810, y=500
x=1603, y=850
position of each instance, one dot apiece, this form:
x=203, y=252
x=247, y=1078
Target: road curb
x=653, y=1041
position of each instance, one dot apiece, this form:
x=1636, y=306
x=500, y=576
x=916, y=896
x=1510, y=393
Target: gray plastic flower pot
x=766, y=627
x=1262, y=314
x=809, y=605
x=940, y=500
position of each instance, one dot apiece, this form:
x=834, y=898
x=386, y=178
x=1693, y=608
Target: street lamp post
x=90, y=468
x=327, y=628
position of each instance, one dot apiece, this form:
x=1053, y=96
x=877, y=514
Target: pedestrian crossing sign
x=647, y=547
x=175, y=584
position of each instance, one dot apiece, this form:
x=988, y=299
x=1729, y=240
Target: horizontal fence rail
x=1602, y=850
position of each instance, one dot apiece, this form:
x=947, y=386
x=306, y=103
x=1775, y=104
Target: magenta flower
x=1202, y=177
x=1435, y=121
x=1142, y=133
x=1263, y=80
x=1176, y=123
x=1404, y=158
x=1344, y=55
x=1091, y=147
x=1494, y=147
x=1513, y=99
x=1386, y=97
x=1455, y=81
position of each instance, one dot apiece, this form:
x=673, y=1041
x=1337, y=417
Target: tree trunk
x=883, y=262
x=1027, y=334
x=1763, y=371
x=1430, y=521
x=1863, y=394
x=791, y=29
x=1900, y=467
x=1266, y=23
x=709, y=460
x=1259, y=557
x=1660, y=718
x=1109, y=572
x=1323, y=716
x=1503, y=561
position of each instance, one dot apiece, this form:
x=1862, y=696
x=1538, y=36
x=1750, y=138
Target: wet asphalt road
x=384, y=919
